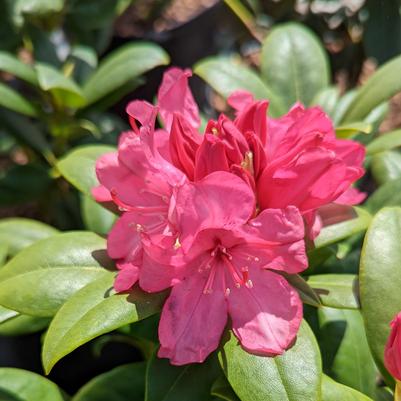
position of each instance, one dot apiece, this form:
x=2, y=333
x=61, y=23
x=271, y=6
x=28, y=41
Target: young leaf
x=122, y=65
x=91, y=312
x=165, y=382
x=226, y=75
x=124, y=383
x=336, y=290
x=380, y=279
x=78, y=166
x=22, y=385
x=294, y=63
x=293, y=376
x=352, y=129
x=345, y=350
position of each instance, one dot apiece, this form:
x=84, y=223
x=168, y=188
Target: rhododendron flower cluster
x=220, y=215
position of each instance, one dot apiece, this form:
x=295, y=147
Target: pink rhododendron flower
x=392, y=353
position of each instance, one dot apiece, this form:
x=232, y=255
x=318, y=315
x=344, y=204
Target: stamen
x=247, y=163
x=215, y=131
x=233, y=271
x=141, y=209
x=177, y=243
x=209, y=283
x=249, y=284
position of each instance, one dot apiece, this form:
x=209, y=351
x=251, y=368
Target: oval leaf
x=336, y=290
x=78, y=166
x=121, y=66
x=92, y=311
x=294, y=63
x=333, y=391
x=386, y=166
x=21, y=385
x=226, y=75
x=380, y=279
x=124, y=383
x=293, y=376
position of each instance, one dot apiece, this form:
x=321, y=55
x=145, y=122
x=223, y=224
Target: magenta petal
x=240, y=99
x=192, y=322
x=266, y=317
x=175, y=96
x=141, y=111
x=351, y=196
x=126, y=278
x=101, y=194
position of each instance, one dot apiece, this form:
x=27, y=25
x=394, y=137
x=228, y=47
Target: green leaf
x=124, y=383
x=381, y=86
x=336, y=290
x=333, y=391
x=64, y=90
x=388, y=194
x=222, y=389
x=11, y=99
x=22, y=325
x=306, y=292
x=11, y=64
x=342, y=106
x=327, y=99
x=76, y=249
x=122, y=65
x=96, y=218
x=22, y=385
x=337, y=232
x=18, y=233
x=293, y=376
x=386, y=166
x=91, y=312
x=345, y=350
x=383, y=142
x=352, y=129
x=78, y=166
x=380, y=280
x=39, y=8
x=165, y=382
x=294, y=63
x=226, y=75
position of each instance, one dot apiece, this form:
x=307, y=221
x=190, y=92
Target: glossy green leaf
x=336, y=290
x=327, y=99
x=11, y=99
x=380, y=279
x=222, y=389
x=388, y=194
x=76, y=249
x=19, y=233
x=22, y=385
x=294, y=63
x=92, y=311
x=381, y=86
x=386, y=166
x=165, y=382
x=333, y=391
x=64, y=90
x=352, y=129
x=122, y=65
x=337, y=232
x=42, y=292
x=11, y=64
x=124, y=383
x=6, y=314
x=226, y=75
x=78, y=166
x=345, y=350
x=293, y=376
x=96, y=218
x=387, y=141
x=23, y=324
x=3, y=253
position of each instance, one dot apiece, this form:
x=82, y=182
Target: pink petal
x=101, y=194
x=175, y=96
x=192, y=322
x=240, y=99
x=266, y=317
x=351, y=196
x=392, y=353
x=126, y=278
x=141, y=111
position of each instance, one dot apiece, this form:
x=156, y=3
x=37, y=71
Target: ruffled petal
x=126, y=278
x=141, y=111
x=266, y=317
x=192, y=322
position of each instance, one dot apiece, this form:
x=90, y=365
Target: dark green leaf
x=345, y=350
x=21, y=385
x=226, y=75
x=294, y=63
x=124, y=383
x=380, y=280
x=122, y=65
x=306, y=292
x=91, y=312
x=388, y=194
x=78, y=166
x=333, y=391
x=11, y=64
x=386, y=166
x=222, y=389
x=336, y=290
x=165, y=382
x=293, y=376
